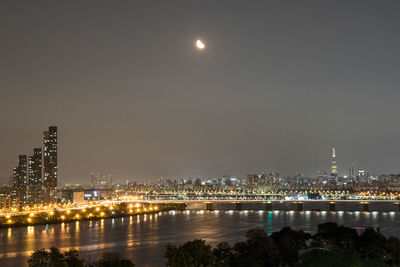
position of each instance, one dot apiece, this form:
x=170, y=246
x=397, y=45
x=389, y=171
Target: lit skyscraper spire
x=334, y=163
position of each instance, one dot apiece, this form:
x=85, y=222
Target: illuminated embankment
x=82, y=213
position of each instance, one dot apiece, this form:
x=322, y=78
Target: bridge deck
x=233, y=201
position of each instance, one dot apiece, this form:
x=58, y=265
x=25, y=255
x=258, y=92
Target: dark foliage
x=191, y=254
x=223, y=253
x=331, y=235
x=332, y=258
x=55, y=258
x=113, y=260
x=289, y=242
x=331, y=246
x=258, y=250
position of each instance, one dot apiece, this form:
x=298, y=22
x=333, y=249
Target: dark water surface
x=143, y=238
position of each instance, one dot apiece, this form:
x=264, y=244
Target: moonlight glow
x=200, y=45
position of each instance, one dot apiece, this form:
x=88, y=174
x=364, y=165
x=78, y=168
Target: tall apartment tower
x=35, y=177
x=334, y=163
x=50, y=165
x=20, y=182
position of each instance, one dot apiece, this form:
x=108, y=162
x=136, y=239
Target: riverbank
x=85, y=213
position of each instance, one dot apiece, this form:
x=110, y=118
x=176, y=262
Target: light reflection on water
x=30, y=230
x=144, y=238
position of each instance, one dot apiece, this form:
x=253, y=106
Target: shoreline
x=84, y=214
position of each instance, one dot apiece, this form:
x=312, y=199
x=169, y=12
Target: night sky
x=279, y=84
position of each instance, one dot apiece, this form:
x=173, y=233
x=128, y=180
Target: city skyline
x=276, y=86
x=50, y=143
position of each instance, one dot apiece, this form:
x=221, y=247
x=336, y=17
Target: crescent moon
x=200, y=45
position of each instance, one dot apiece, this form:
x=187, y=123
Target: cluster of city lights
x=70, y=212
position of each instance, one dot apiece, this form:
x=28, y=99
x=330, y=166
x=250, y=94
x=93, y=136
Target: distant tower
x=352, y=173
x=50, y=165
x=334, y=163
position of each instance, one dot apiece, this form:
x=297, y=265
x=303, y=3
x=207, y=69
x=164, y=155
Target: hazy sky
x=279, y=83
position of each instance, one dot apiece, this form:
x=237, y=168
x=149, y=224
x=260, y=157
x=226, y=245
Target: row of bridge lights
x=97, y=209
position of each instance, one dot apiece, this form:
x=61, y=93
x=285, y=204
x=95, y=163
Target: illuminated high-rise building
x=20, y=182
x=94, y=179
x=323, y=176
x=35, y=177
x=334, y=163
x=362, y=176
x=50, y=165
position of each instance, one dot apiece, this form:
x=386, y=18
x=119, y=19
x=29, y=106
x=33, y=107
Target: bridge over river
x=300, y=205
